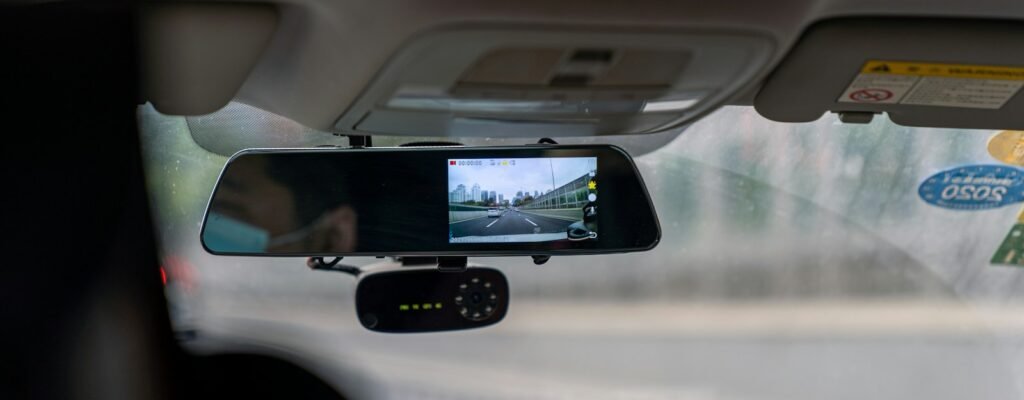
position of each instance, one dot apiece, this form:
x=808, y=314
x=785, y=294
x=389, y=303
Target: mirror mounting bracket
x=452, y=264
x=444, y=263
x=540, y=260
x=360, y=141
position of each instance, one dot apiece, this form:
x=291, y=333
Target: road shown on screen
x=510, y=222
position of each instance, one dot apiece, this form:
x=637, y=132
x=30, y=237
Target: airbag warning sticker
x=931, y=84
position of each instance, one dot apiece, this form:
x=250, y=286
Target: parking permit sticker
x=934, y=84
x=974, y=187
x=1008, y=147
x=1011, y=251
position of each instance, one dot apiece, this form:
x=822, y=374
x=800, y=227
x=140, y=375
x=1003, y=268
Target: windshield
x=796, y=262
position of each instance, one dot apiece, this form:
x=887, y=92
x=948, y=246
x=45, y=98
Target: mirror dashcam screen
x=522, y=200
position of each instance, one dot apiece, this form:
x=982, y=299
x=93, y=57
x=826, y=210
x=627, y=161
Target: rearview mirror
x=530, y=200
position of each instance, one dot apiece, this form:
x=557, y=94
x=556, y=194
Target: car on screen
x=493, y=212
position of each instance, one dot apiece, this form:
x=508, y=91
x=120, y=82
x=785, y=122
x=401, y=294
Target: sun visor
x=197, y=56
x=921, y=72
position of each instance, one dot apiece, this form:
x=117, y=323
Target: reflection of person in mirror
x=294, y=215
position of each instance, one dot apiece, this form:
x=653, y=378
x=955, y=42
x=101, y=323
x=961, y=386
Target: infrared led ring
x=476, y=299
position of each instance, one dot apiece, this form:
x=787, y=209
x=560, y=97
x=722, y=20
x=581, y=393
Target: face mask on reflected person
x=232, y=235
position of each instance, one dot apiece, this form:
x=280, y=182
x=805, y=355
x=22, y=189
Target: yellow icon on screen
x=404, y=307
x=437, y=305
x=504, y=163
x=427, y=306
x=415, y=306
x=591, y=185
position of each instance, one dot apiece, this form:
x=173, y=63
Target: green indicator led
x=415, y=306
x=437, y=305
x=427, y=306
x=404, y=307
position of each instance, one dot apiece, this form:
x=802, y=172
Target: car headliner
x=324, y=53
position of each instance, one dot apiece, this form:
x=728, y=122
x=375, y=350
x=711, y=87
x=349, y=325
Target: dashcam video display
x=522, y=200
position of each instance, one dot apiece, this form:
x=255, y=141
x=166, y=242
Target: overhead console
x=921, y=72
x=492, y=82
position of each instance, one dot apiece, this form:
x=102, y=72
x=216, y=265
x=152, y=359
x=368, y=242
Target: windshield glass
x=797, y=262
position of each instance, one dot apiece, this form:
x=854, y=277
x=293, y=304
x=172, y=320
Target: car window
x=797, y=262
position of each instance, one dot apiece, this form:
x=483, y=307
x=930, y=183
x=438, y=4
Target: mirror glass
x=534, y=200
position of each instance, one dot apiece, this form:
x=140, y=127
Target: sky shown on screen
x=527, y=174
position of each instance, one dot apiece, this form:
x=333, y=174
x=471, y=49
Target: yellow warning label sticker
x=946, y=70
x=934, y=84
x=1008, y=147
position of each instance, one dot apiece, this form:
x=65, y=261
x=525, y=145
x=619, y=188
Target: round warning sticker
x=974, y=187
x=870, y=95
x=1008, y=147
